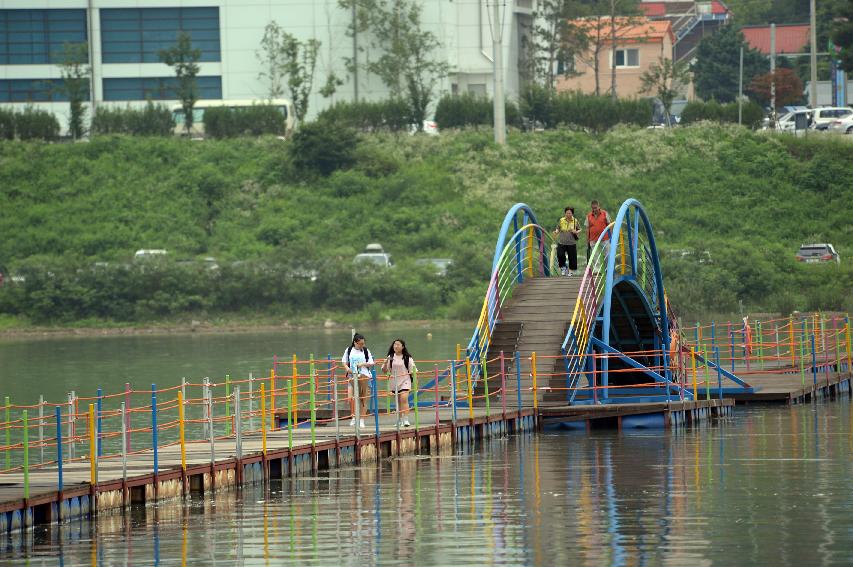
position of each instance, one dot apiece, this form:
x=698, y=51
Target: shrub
x=599, y=113
x=36, y=124
x=713, y=111
x=153, y=120
x=256, y=120
x=323, y=147
x=459, y=111
x=391, y=115
x=7, y=124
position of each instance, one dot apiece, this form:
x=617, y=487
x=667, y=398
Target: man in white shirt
x=357, y=361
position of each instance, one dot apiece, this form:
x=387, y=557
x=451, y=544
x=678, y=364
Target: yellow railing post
x=622, y=249
x=272, y=399
x=181, y=428
x=533, y=369
x=263, y=420
x=530, y=251
x=849, y=366
x=294, y=387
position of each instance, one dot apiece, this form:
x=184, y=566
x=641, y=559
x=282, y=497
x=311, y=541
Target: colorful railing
x=521, y=254
x=625, y=250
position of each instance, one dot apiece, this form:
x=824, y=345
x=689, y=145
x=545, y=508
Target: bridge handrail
x=526, y=253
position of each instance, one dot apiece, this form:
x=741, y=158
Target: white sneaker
x=406, y=423
x=352, y=422
x=563, y=271
x=570, y=274
x=361, y=423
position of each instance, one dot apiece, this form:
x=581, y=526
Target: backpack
x=366, y=354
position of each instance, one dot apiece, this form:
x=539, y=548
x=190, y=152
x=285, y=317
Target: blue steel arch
x=632, y=211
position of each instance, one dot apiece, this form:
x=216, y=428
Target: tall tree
x=300, y=61
x=183, y=58
x=406, y=63
x=665, y=80
x=76, y=72
x=556, y=39
x=715, y=72
x=271, y=58
x=624, y=17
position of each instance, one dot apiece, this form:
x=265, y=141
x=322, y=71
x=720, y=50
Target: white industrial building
x=125, y=36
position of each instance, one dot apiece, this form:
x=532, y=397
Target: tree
x=184, y=60
x=552, y=49
x=406, y=64
x=623, y=19
x=285, y=57
x=300, y=61
x=842, y=37
x=271, y=58
x=666, y=80
x=75, y=70
x=715, y=72
x=789, y=87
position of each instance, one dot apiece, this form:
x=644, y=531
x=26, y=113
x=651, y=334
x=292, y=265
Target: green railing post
x=8, y=432
x=228, y=427
x=415, y=388
x=26, y=454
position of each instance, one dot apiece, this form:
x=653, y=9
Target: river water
x=768, y=486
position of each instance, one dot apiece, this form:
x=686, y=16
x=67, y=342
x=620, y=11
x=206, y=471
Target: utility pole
x=773, y=73
x=740, y=90
x=354, y=52
x=497, y=47
x=813, y=58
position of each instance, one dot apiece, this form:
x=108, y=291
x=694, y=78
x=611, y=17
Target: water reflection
x=769, y=486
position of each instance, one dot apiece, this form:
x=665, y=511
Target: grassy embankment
x=747, y=198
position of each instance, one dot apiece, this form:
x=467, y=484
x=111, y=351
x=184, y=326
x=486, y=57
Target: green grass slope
x=748, y=198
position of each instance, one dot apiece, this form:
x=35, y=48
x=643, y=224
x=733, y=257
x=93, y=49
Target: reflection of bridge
x=606, y=337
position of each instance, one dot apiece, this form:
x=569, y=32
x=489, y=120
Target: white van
x=284, y=106
x=149, y=254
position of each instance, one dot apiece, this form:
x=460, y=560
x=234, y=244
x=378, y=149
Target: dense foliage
x=284, y=237
x=29, y=124
x=256, y=120
x=464, y=110
x=696, y=111
x=152, y=120
x=579, y=110
x=390, y=115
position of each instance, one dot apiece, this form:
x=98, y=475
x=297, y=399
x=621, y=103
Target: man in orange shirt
x=596, y=222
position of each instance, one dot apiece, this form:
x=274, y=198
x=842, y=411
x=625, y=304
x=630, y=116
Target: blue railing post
x=154, y=425
x=453, y=387
x=719, y=372
x=100, y=399
x=732, y=345
x=713, y=335
x=814, y=360
x=58, y=414
x=518, y=378
x=375, y=400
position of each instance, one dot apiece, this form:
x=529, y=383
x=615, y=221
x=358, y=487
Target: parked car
x=149, y=254
x=440, y=265
x=825, y=116
x=374, y=254
x=841, y=125
x=790, y=121
x=816, y=253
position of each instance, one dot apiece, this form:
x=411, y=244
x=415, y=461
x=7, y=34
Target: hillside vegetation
x=747, y=198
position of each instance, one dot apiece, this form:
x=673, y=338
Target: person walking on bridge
x=567, y=232
x=357, y=361
x=596, y=223
x=400, y=367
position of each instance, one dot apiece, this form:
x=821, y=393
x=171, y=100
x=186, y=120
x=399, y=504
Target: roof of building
x=638, y=29
x=790, y=38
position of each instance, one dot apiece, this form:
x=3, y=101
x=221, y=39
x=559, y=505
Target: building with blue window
x=125, y=37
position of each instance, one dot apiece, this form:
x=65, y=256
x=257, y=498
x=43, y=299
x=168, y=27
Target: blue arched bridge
x=605, y=335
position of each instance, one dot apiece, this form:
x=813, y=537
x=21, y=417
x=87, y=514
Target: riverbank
x=212, y=326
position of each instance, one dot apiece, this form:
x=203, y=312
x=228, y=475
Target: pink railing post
x=503, y=386
x=127, y=415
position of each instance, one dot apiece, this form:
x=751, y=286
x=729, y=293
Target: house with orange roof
x=639, y=43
